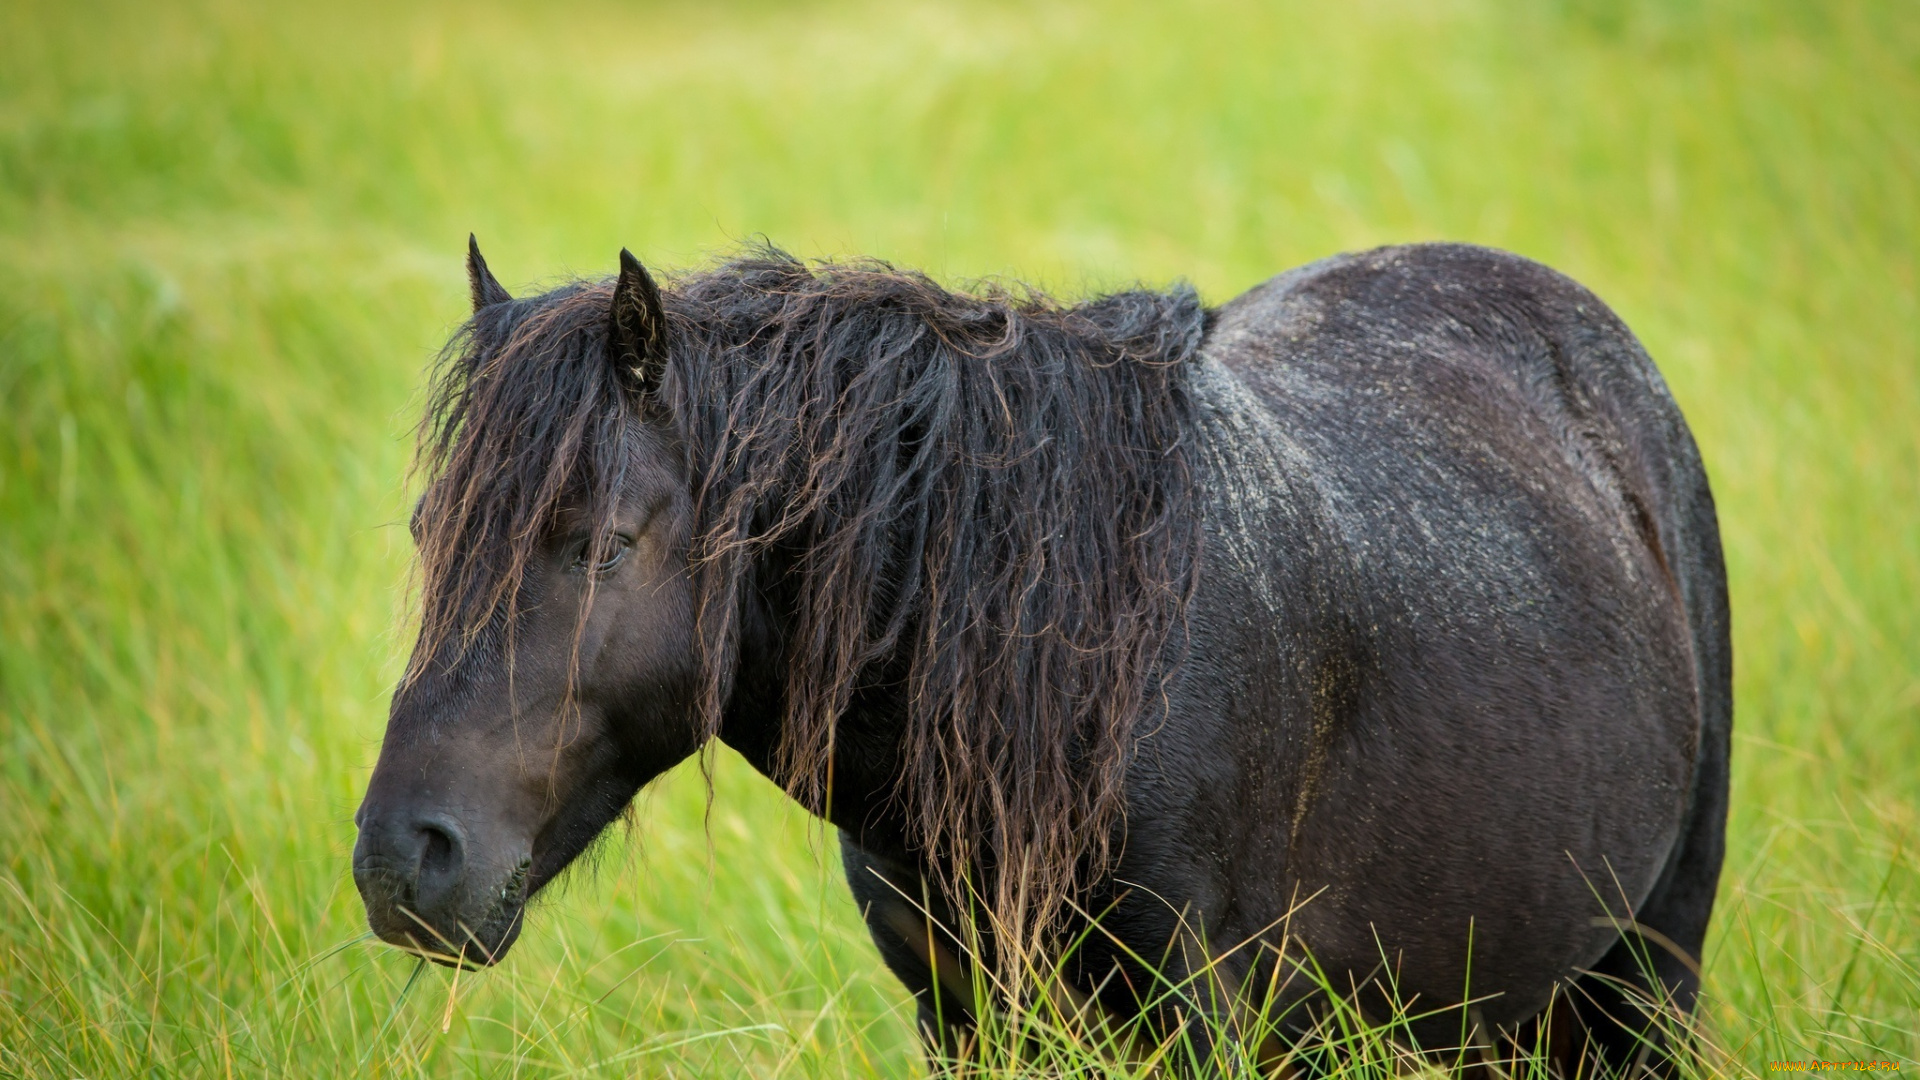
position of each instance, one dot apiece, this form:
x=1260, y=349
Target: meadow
x=230, y=240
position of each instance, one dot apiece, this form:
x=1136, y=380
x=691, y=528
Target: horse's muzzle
x=426, y=891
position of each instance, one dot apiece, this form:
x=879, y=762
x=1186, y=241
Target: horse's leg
x=1658, y=970
x=911, y=930
x=1660, y=966
x=1164, y=990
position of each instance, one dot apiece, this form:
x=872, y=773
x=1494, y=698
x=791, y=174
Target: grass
x=230, y=239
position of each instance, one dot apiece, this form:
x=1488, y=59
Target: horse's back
x=1498, y=352
x=1494, y=606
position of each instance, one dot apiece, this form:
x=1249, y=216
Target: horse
x=1376, y=616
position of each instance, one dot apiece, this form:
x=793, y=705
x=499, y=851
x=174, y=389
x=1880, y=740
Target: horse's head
x=554, y=671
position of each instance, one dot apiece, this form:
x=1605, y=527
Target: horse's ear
x=480, y=282
x=637, y=325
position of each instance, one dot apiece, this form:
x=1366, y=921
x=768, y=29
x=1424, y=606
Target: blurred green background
x=230, y=238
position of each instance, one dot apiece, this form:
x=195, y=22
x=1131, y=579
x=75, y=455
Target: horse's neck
x=866, y=757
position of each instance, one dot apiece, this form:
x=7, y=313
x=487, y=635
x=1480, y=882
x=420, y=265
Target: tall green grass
x=230, y=239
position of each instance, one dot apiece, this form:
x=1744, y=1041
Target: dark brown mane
x=981, y=502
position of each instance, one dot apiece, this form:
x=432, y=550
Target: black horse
x=1377, y=616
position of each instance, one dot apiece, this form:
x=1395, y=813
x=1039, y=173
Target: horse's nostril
x=441, y=853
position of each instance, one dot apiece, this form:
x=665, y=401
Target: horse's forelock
x=523, y=418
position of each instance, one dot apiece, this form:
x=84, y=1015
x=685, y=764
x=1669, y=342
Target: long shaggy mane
x=978, y=505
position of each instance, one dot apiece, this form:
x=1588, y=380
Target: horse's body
x=1458, y=667
x=1452, y=674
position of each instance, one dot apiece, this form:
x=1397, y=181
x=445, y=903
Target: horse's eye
x=619, y=544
